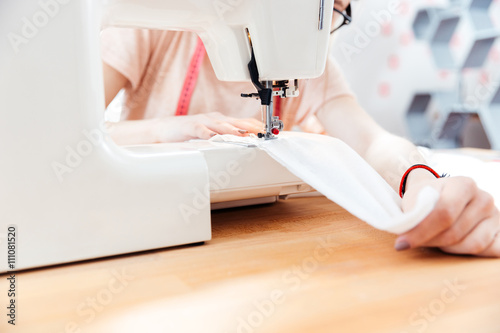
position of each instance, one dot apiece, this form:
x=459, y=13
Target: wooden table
x=300, y=265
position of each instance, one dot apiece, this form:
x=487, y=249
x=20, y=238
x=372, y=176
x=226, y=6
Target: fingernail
x=213, y=134
x=401, y=245
x=242, y=131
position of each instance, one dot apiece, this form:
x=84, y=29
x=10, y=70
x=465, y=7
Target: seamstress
x=151, y=67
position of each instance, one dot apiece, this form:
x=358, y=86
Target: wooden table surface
x=300, y=265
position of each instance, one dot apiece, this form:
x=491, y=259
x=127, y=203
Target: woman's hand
x=464, y=220
x=170, y=129
x=203, y=126
x=181, y=128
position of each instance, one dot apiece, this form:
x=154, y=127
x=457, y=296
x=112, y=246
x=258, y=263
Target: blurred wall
x=387, y=66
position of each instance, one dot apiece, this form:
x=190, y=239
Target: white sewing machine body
x=238, y=175
x=69, y=190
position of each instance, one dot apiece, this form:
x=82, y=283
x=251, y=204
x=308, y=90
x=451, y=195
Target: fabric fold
x=339, y=173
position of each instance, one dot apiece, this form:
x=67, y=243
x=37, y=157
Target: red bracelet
x=402, y=185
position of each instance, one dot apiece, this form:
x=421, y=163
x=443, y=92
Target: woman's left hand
x=465, y=219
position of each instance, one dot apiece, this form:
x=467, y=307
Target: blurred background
x=428, y=70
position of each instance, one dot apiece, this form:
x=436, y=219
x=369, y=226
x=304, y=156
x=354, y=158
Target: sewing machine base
x=226, y=176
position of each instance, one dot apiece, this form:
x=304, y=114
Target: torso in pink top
x=156, y=63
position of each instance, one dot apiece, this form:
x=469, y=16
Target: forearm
x=391, y=156
x=388, y=154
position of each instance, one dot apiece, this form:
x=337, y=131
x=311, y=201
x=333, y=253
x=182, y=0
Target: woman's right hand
x=203, y=126
x=170, y=129
x=180, y=128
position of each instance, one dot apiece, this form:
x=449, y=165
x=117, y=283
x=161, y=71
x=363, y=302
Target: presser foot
x=266, y=136
x=272, y=128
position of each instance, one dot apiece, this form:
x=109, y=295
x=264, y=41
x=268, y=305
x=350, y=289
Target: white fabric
x=338, y=172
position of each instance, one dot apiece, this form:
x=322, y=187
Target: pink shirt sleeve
x=128, y=51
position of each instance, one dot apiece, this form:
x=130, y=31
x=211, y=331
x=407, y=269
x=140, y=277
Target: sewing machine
x=67, y=191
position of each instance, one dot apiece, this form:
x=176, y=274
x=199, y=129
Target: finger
x=478, y=240
x=216, y=115
x=221, y=124
x=455, y=195
x=222, y=127
x=481, y=207
x=201, y=131
x=252, y=126
x=257, y=126
x=493, y=249
x=254, y=121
